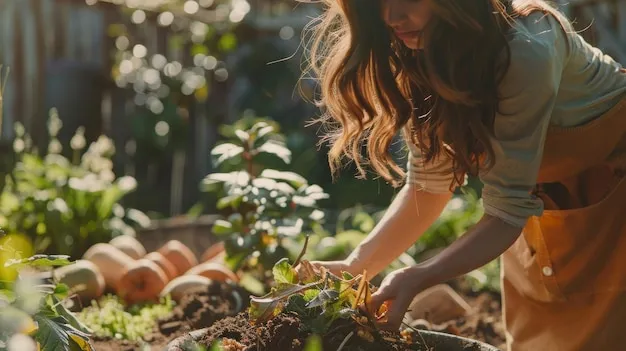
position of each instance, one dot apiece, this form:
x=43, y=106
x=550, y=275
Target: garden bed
x=283, y=332
x=215, y=309
x=199, y=308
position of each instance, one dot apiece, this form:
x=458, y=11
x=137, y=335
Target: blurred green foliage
x=64, y=206
x=263, y=208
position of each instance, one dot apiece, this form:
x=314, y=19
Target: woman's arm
x=478, y=246
x=410, y=214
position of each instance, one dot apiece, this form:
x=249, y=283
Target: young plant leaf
x=313, y=343
x=266, y=307
x=277, y=149
x=62, y=311
x=284, y=273
x=54, y=334
x=292, y=178
x=232, y=201
x=224, y=152
x=39, y=261
x=325, y=296
x=222, y=227
x=243, y=136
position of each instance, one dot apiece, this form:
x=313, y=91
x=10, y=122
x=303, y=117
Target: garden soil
x=198, y=309
x=211, y=307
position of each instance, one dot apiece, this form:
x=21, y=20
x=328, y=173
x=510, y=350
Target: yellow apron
x=564, y=280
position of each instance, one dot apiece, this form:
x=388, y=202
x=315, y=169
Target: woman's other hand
x=398, y=290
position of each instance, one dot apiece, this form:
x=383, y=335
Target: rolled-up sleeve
x=433, y=177
x=528, y=93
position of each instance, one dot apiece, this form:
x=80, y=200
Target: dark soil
x=207, y=308
x=198, y=309
x=284, y=333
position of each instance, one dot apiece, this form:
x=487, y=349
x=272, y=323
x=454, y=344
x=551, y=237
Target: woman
x=505, y=90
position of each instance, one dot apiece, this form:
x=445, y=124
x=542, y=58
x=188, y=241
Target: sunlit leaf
x=222, y=227
x=283, y=272
x=243, y=136
x=292, y=178
x=276, y=149
x=229, y=201
x=224, y=152
x=265, y=307
x=324, y=296
x=40, y=261
x=313, y=343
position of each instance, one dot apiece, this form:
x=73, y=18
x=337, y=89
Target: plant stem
x=306, y=243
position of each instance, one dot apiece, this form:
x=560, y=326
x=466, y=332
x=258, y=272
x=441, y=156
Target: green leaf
x=242, y=135
x=277, y=149
x=313, y=343
x=347, y=276
x=224, y=152
x=61, y=290
x=284, y=273
x=236, y=220
x=235, y=261
x=315, y=192
x=304, y=201
x=363, y=221
x=7, y=295
x=232, y=201
x=266, y=307
x=324, y=296
x=62, y=311
x=54, y=333
x=39, y=261
x=222, y=227
x=292, y=178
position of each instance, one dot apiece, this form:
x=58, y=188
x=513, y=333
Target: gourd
x=129, y=245
x=167, y=266
x=83, y=278
x=142, y=282
x=213, y=271
x=180, y=255
x=111, y=261
x=180, y=285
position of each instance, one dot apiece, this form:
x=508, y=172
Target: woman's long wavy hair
x=444, y=97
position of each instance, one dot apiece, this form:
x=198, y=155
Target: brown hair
x=444, y=97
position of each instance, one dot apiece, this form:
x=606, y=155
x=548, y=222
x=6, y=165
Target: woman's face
x=407, y=18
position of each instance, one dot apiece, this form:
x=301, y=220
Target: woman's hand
x=398, y=290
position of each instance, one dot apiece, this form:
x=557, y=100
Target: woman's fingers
x=396, y=309
x=379, y=297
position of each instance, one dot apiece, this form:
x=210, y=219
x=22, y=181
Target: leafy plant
x=108, y=317
x=65, y=206
x=319, y=299
x=31, y=308
x=262, y=208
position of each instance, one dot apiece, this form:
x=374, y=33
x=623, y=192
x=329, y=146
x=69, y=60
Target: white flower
x=78, y=141
x=127, y=183
x=21, y=342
